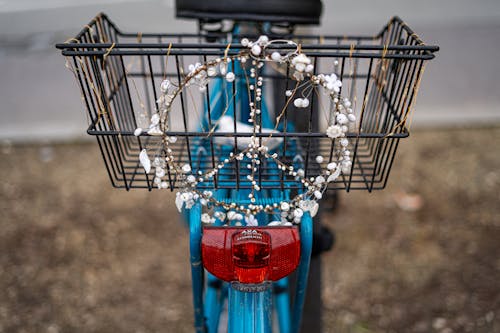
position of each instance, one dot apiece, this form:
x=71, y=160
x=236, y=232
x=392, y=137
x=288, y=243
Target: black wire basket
x=119, y=74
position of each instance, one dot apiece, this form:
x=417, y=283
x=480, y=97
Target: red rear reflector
x=250, y=254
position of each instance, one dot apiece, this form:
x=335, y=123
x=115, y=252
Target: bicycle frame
x=248, y=312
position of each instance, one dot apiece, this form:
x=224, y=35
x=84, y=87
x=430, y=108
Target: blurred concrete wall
x=40, y=101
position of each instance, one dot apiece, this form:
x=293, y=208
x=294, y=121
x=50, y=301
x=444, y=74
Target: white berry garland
x=257, y=52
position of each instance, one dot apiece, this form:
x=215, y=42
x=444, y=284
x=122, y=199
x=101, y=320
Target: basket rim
x=321, y=47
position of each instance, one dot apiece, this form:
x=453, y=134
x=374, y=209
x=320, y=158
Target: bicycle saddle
x=279, y=11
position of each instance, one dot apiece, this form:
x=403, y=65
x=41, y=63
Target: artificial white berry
x=276, y=56
x=297, y=213
x=263, y=39
x=342, y=119
x=230, y=77
x=164, y=86
x=160, y=172
x=205, y=218
x=346, y=166
x=319, y=180
x=223, y=68
x=211, y=71
x=331, y=166
x=285, y=206
x=300, y=67
x=256, y=50
x=155, y=119
x=334, y=131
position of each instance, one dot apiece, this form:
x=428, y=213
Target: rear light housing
x=250, y=255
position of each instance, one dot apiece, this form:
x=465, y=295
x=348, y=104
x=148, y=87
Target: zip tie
x=351, y=50
x=384, y=51
x=166, y=60
x=226, y=52
x=107, y=53
x=72, y=39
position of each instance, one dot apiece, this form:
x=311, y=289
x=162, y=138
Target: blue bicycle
x=251, y=125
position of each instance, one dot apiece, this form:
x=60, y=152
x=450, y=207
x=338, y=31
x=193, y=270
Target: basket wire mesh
x=119, y=74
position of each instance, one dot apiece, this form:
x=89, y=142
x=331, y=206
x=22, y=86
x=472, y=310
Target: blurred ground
x=421, y=256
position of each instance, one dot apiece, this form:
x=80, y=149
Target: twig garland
x=252, y=58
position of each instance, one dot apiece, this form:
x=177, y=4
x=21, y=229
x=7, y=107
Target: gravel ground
x=420, y=256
